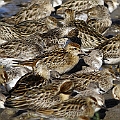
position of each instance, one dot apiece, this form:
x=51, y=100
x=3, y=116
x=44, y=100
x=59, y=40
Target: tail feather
x=26, y=63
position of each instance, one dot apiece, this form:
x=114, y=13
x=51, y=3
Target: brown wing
x=19, y=49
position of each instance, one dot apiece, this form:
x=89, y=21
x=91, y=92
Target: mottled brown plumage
x=92, y=62
x=89, y=37
x=79, y=5
x=60, y=60
x=33, y=92
x=103, y=79
x=28, y=27
x=35, y=10
x=7, y=32
x=99, y=18
x=111, y=50
x=116, y=92
x=77, y=107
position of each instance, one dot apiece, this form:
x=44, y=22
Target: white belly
x=112, y=61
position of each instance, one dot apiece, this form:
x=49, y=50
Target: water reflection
x=10, y=8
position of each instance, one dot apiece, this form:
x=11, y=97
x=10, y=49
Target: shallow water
x=11, y=8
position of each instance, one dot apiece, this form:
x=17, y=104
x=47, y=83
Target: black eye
x=75, y=48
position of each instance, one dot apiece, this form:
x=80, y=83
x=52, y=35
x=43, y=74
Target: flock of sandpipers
x=52, y=58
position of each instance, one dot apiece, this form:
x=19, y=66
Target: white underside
x=112, y=6
x=82, y=16
x=12, y=83
x=101, y=2
x=97, y=109
x=2, y=41
x=97, y=64
x=112, y=61
x=2, y=104
x=2, y=3
x=56, y=3
x=20, y=71
x=8, y=62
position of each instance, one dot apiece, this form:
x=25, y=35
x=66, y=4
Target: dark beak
x=104, y=107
